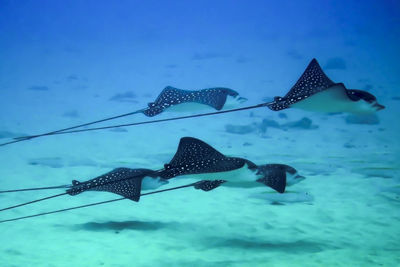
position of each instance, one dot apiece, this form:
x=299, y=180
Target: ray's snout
x=163, y=181
x=241, y=99
x=293, y=178
x=379, y=106
x=299, y=177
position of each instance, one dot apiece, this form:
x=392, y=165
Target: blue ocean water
x=64, y=63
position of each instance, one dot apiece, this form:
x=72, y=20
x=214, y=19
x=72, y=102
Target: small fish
x=287, y=198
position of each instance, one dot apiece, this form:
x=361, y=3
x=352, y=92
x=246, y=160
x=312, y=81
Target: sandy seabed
x=352, y=219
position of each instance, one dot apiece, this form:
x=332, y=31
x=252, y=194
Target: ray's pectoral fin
x=274, y=177
x=277, y=183
x=312, y=81
x=194, y=156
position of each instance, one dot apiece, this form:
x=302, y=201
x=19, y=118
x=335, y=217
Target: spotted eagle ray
x=122, y=181
x=193, y=158
x=314, y=91
x=197, y=159
x=171, y=99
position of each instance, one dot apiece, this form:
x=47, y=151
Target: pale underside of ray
x=244, y=177
x=240, y=176
x=188, y=107
x=237, y=172
x=332, y=99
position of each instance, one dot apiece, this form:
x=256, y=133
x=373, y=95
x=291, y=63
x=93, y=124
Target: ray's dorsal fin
x=171, y=96
x=312, y=81
x=194, y=156
x=122, y=181
x=191, y=149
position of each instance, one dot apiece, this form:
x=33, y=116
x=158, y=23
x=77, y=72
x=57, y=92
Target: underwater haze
x=65, y=63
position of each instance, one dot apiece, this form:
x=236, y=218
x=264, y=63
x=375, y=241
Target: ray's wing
x=195, y=156
x=313, y=81
x=274, y=176
x=122, y=181
x=170, y=96
x=214, y=97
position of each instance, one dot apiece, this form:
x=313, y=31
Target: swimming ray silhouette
x=314, y=91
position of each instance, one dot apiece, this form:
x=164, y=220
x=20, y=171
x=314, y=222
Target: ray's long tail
x=75, y=130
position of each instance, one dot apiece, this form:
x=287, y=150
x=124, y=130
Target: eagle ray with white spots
x=193, y=158
x=196, y=159
x=314, y=91
x=169, y=99
x=204, y=185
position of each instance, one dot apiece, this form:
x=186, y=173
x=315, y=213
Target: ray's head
x=276, y=172
x=368, y=101
x=292, y=176
x=232, y=98
x=151, y=183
